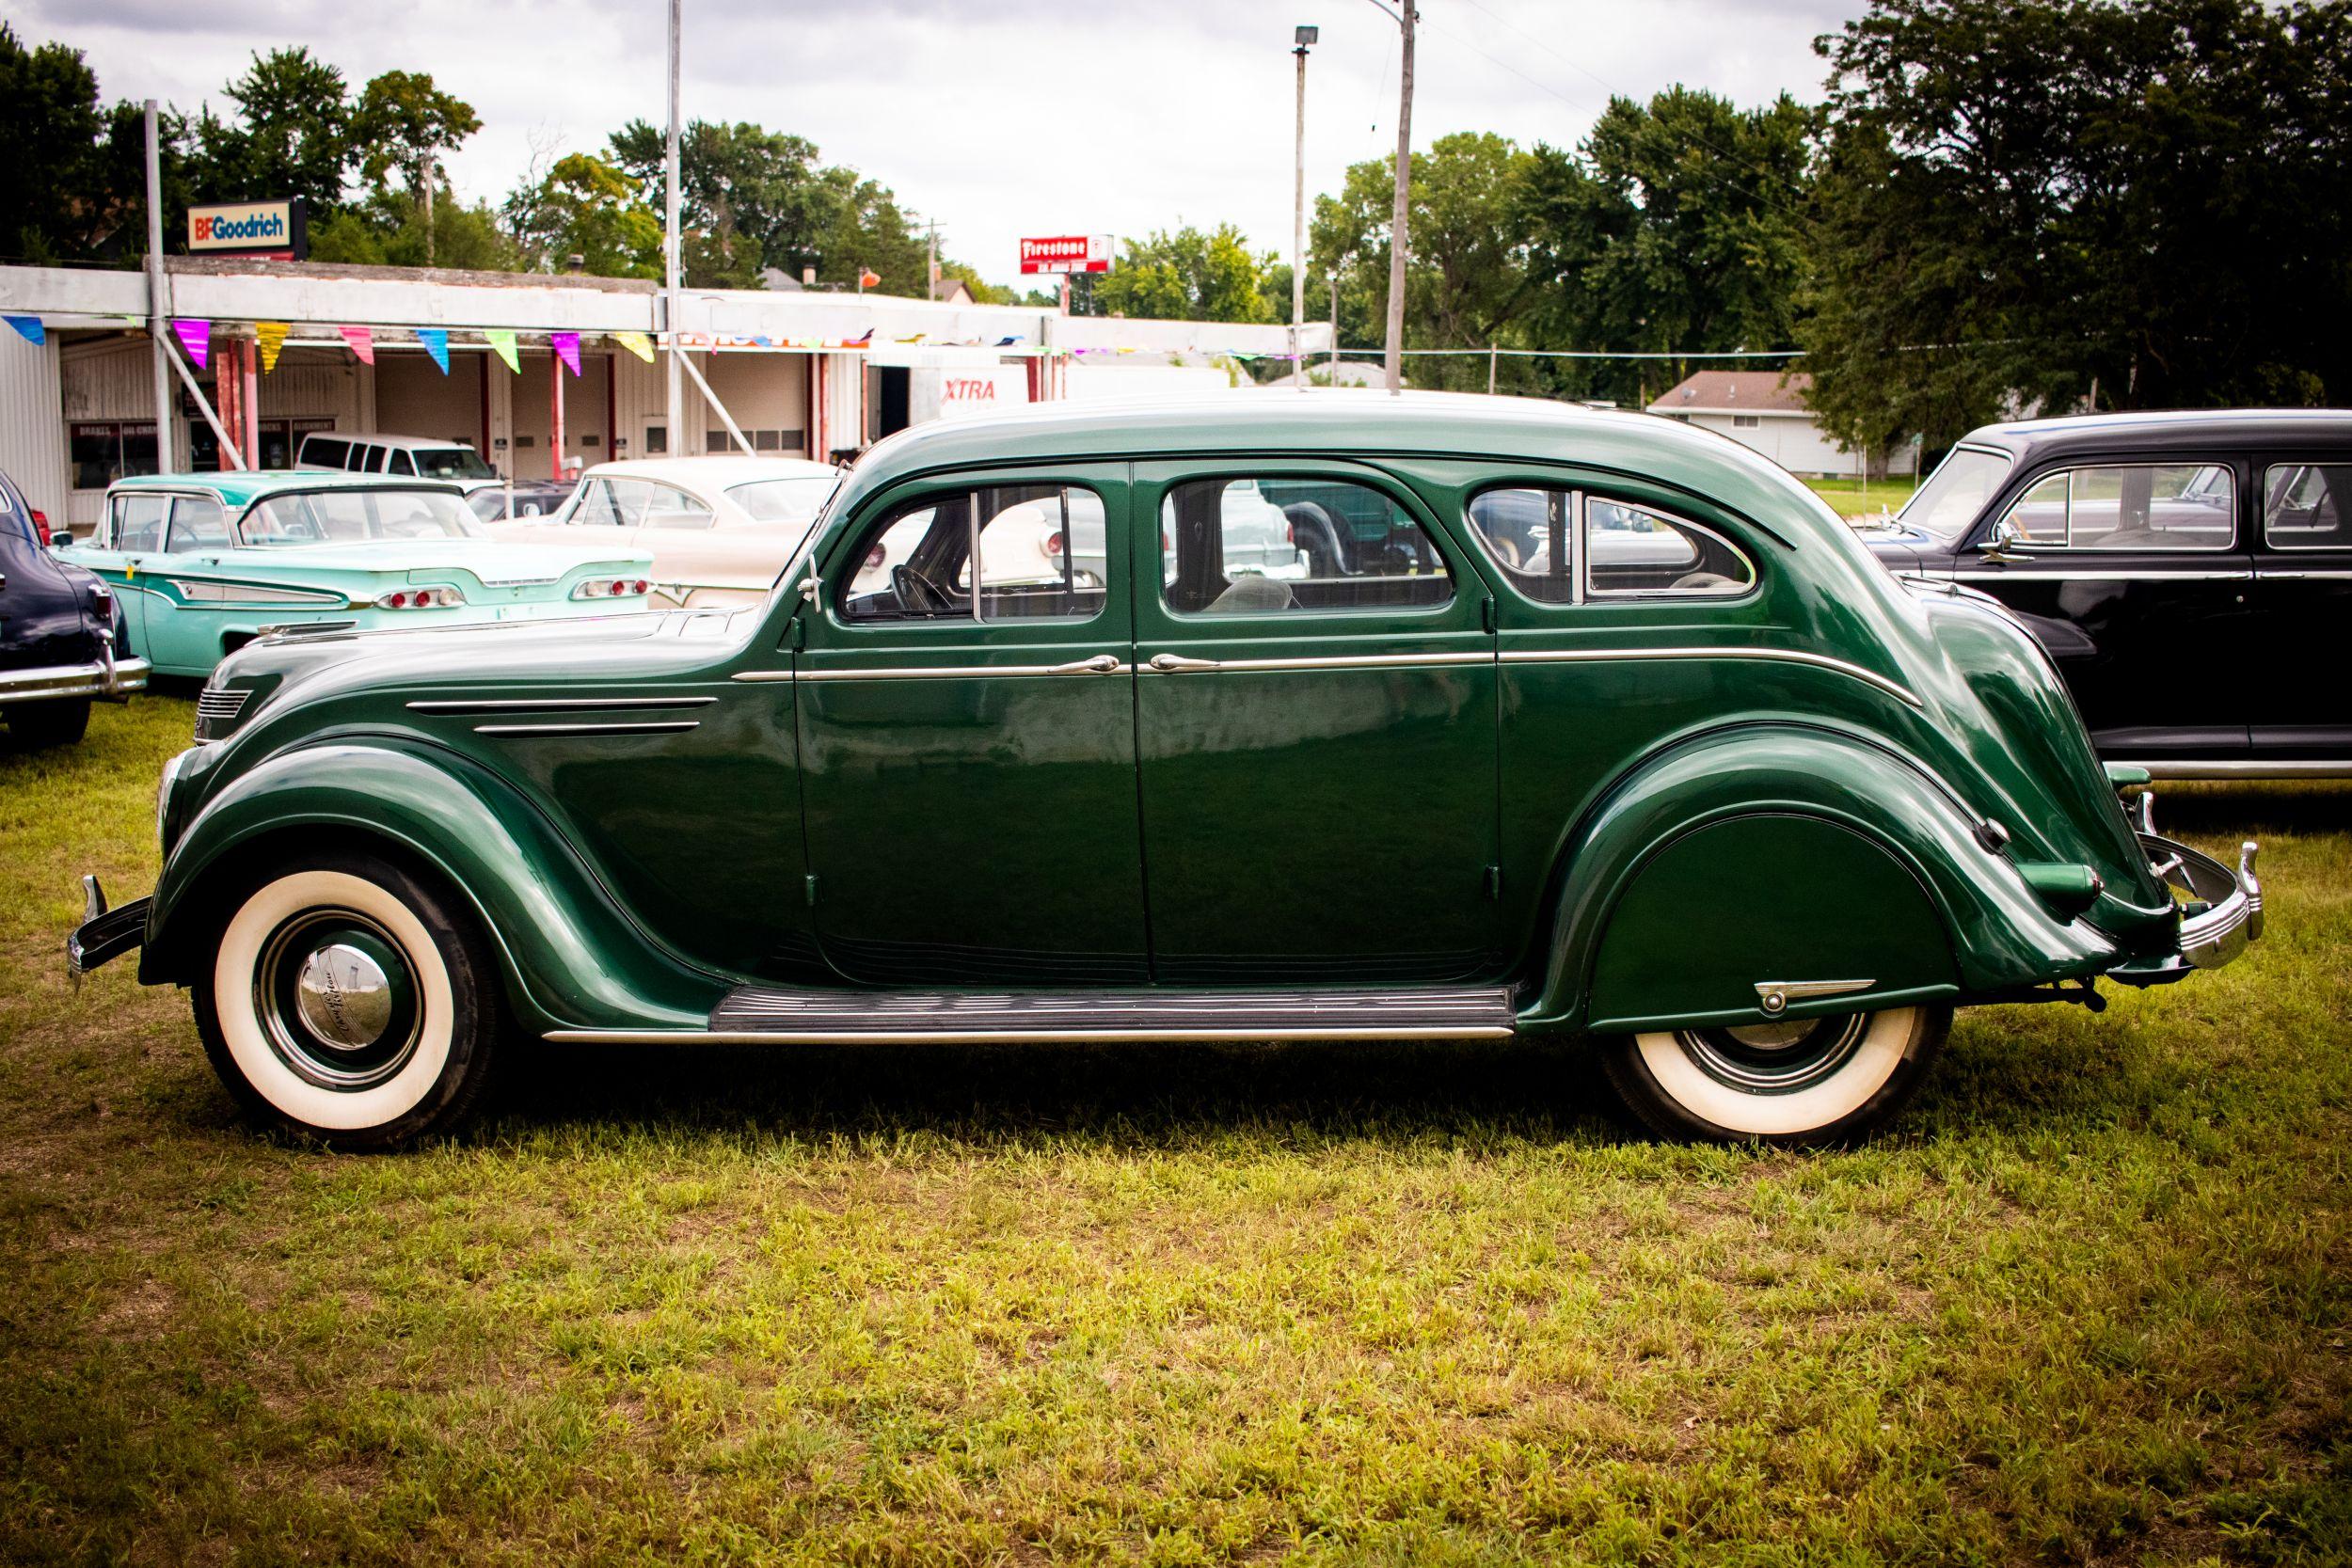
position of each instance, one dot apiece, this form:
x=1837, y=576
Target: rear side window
x=2134, y=506
x=1274, y=546
x=1532, y=533
x=324, y=452
x=2305, y=504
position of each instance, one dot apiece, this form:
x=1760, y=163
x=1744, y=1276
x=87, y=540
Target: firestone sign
x=1067, y=253
x=249, y=228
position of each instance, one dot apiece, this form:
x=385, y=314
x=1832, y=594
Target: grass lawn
x=1849, y=498
x=1395, y=1305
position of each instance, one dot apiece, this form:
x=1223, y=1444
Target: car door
x=2134, y=572
x=2299, y=710
x=197, y=590
x=967, y=748
x=126, y=544
x=1316, y=725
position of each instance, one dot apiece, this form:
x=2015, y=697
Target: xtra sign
x=959, y=391
x=1067, y=253
x=249, y=228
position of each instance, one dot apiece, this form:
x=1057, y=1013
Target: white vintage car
x=719, y=528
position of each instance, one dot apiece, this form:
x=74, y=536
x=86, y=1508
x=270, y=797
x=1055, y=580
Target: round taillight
x=875, y=557
x=1051, y=543
x=638, y=587
x=618, y=588
x=398, y=601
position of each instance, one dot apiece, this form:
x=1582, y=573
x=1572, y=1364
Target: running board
x=762, y=1014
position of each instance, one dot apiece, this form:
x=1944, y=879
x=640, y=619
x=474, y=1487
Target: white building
x=1764, y=411
x=806, y=372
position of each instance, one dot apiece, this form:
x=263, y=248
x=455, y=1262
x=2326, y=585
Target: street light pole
x=673, y=388
x=157, y=306
x=1393, y=359
x=1305, y=36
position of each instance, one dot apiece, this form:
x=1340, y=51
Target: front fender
x=572, y=959
x=1999, y=933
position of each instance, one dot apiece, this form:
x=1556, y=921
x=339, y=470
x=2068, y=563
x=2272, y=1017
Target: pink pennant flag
x=362, y=343
x=197, y=338
x=566, y=346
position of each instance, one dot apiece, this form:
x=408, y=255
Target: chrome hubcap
x=343, y=995
x=336, y=997
x=1780, y=1057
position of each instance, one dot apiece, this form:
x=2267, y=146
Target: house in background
x=1764, y=411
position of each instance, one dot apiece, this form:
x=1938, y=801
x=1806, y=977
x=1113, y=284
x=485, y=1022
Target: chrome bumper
x=2225, y=907
x=100, y=677
x=104, y=934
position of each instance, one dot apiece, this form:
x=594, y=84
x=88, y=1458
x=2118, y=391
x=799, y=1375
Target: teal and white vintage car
x=204, y=562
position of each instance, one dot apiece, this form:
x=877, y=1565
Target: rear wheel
x=352, y=1001
x=1793, y=1081
x=61, y=721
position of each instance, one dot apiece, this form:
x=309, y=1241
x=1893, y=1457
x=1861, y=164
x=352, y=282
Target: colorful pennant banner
x=637, y=343
x=271, y=337
x=362, y=343
x=566, y=346
x=197, y=338
x=29, y=328
x=436, y=342
x=501, y=341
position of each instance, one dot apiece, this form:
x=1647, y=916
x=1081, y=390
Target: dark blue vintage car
x=59, y=633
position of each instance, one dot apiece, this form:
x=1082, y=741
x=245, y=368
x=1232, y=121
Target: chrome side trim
x=1022, y=1036
x=2079, y=574
x=2239, y=768
x=2321, y=576
x=98, y=678
x=937, y=673
x=553, y=705
x=668, y=728
x=1776, y=655
x=1179, y=664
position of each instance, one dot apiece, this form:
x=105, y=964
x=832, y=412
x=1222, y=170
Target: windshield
x=354, y=516
x=452, y=463
x=1955, y=494
x=783, y=500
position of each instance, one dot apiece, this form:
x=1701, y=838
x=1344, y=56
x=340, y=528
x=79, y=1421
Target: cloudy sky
x=995, y=118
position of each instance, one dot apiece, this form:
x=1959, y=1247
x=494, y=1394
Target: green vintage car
x=1696, y=779
x=203, y=563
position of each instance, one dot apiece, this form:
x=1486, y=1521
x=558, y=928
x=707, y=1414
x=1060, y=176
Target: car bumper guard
x=2221, y=911
x=104, y=934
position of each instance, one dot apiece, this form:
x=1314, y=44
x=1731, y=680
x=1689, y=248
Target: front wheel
x=1789, y=1081
x=352, y=1001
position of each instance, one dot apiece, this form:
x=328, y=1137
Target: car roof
x=243, y=487
x=1354, y=422
x=722, y=469
x=2153, y=430
x=404, y=443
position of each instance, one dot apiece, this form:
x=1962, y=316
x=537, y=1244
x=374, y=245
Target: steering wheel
x=918, y=593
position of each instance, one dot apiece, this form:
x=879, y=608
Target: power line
x=1592, y=353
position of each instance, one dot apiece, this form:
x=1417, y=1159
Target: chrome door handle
x=1101, y=664
x=1171, y=664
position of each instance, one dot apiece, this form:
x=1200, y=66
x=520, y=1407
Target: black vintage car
x=60, y=630
x=2192, y=574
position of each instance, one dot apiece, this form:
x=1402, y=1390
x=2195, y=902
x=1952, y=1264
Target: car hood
x=1899, y=549
x=490, y=561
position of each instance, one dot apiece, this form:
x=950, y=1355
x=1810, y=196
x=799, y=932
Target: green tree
x=402, y=125
x=47, y=147
x=584, y=207
x=1188, y=274
x=2024, y=199
x=291, y=135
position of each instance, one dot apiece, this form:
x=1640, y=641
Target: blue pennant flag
x=436, y=342
x=28, y=327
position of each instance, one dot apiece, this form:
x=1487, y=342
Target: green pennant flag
x=501, y=341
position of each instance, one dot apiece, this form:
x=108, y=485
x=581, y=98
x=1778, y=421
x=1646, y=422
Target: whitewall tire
x=1798, y=1081
x=351, y=1001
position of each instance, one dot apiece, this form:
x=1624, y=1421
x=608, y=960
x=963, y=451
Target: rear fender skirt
x=2000, y=935
x=573, y=957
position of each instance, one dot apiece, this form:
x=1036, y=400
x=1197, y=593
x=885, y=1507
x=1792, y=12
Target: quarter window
x=1631, y=549
x=1043, y=554
x=1259, y=546
x=2304, y=506
x=2149, y=506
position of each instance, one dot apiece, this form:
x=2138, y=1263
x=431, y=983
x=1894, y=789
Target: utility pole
x=1398, y=241
x=157, y=308
x=673, y=388
x=432, y=162
x=1304, y=37
x=931, y=270
x=1334, y=281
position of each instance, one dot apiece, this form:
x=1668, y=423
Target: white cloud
x=997, y=117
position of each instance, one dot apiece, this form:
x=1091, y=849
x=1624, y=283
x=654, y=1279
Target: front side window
x=1272, y=546
x=2304, y=506
x=454, y=462
x=197, y=523
x=352, y=516
x=403, y=463
x=1532, y=533
x=139, y=522
x=1633, y=550
x=2139, y=506
x=1042, y=551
